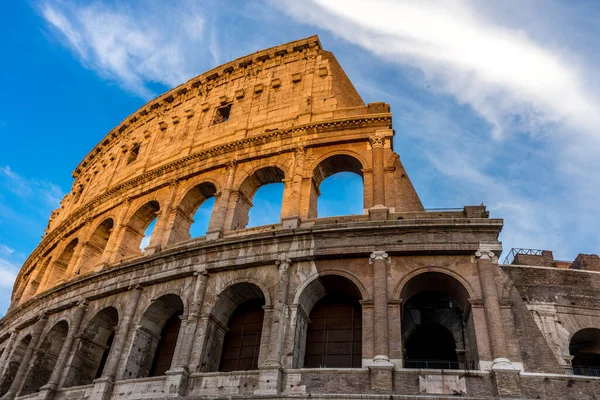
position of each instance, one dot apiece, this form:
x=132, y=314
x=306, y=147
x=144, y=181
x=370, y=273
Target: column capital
x=377, y=141
x=379, y=255
x=283, y=261
x=484, y=255
x=83, y=304
x=231, y=164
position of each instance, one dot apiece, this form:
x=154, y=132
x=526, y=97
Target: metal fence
x=583, y=371
x=440, y=364
x=513, y=252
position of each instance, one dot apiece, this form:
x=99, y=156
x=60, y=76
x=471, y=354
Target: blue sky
x=493, y=102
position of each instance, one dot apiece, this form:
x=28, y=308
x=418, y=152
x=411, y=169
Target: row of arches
x=436, y=326
x=337, y=182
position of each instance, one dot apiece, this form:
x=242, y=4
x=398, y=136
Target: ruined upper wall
x=276, y=88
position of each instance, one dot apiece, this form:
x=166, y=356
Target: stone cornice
x=182, y=163
x=212, y=77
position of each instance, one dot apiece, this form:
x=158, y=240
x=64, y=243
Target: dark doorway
x=431, y=346
x=166, y=346
x=242, y=342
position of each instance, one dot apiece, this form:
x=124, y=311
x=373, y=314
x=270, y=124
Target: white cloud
x=32, y=189
x=133, y=47
x=8, y=267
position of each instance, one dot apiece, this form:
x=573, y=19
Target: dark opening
x=222, y=114
x=242, y=342
x=109, y=343
x=585, y=349
x=166, y=346
x=431, y=346
x=334, y=337
x=133, y=153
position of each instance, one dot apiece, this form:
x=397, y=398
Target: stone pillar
x=116, y=237
x=103, y=386
x=75, y=260
x=164, y=227
x=177, y=378
x=381, y=367
x=19, y=380
x=49, y=389
x=291, y=218
x=506, y=376
x=270, y=380
x=217, y=223
x=379, y=211
x=7, y=350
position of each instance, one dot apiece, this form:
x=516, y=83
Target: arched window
x=155, y=340
x=193, y=214
x=45, y=358
x=234, y=331
x=92, y=348
x=338, y=187
x=437, y=325
x=333, y=337
x=60, y=266
x=95, y=247
x=139, y=229
x=12, y=366
x=37, y=276
x=267, y=209
x=585, y=349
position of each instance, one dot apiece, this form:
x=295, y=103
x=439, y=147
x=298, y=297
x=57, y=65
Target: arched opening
x=137, y=233
x=13, y=364
x=61, y=264
x=155, y=340
x=193, y=214
x=95, y=247
x=45, y=358
x=270, y=199
x=92, y=348
x=234, y=331
x=585, y=349
x=337, y=187
x=331, y=337
x=437, y=325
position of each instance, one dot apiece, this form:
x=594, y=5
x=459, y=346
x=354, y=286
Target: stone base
x=290, y=223
x=103, y=388
x=214, y=235
x=47, y=392
x=507, y=382
x=378, y=213
x=270, y=381
x=381, y=372
x=177, y=382
x=152, y=249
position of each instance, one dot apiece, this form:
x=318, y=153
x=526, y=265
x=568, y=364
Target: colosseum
x=398, y=302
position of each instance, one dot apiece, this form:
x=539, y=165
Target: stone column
x=217, y=224
x=292, y=218
x=506, y=376
x=164, y=226
x=19, y=380
x=177, y=378
x=381, y=368
x=49, y=389
x=270, y=379
x=103, y=386
x=378, y=211
x=7, y=350
x=116, y=235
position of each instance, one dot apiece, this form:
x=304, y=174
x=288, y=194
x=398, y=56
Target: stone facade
x=393, y=303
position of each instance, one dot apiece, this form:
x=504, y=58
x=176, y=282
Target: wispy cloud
x=40, y=190
x=132, y=46
x=8, y=266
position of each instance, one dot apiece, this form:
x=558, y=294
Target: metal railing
x=583, y=371
x=513, y=252
x=440, y=364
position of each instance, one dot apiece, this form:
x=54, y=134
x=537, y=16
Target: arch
x=95, y=246
x=13, y=364
x=247, y=190
x=92, y=348
x=135, y=228
x=584, y=346
x=234, y=305
x=191, y=202
x=364, y=294
x=329, y=324
x=330, y=165
x=435, y=304
x=37, y=277
x=61, y=265
x=154, y=344
x=45, y=358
